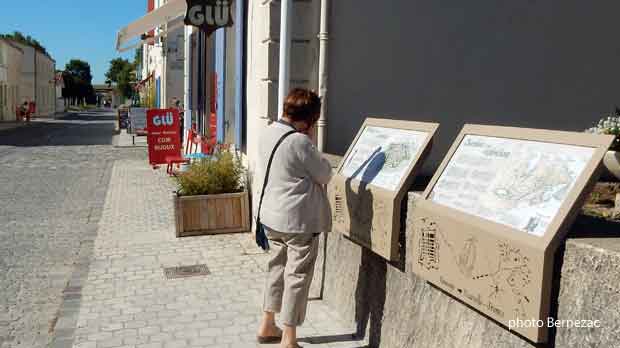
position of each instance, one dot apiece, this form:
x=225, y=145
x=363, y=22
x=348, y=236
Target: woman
x=24, y=112
x=294, y=211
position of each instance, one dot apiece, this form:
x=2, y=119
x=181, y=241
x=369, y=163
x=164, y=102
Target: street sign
x=164, y=137
x=123, y=118
x=137, y=120
x=209, y=15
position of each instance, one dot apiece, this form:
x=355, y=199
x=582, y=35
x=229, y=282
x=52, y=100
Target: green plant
x=610, y=124
x=220, y=173
x=122, y=72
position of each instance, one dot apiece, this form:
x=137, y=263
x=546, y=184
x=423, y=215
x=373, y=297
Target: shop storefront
x=196, y=59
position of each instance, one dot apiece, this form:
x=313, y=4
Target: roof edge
x=12, y=44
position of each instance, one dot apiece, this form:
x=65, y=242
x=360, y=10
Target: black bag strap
x=273, y=153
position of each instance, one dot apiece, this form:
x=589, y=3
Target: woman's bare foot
x=289, y=337
x=268, y=330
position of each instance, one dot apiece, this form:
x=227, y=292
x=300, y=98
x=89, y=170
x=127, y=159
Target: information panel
x=487, y=228
x=382, y=156
x=515, y=182
x=372, y=180
x=137, y=120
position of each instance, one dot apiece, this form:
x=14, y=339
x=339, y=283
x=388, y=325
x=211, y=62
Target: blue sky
x=84, y=29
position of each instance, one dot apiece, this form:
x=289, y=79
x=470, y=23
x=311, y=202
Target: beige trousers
x=289, y=275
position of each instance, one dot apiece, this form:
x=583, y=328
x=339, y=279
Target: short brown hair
x=302, y=105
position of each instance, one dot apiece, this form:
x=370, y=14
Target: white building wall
x=27, y=85
x=45, y=86
x=37, y=80
x=175, y=64
x=60, y=101
x=164, y=59
x=10, y=76
x=263, y=59
x=153, y=62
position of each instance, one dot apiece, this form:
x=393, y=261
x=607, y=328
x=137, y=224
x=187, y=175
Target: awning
x=162, y=15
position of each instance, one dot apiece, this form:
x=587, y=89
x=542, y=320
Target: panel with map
x=518, y=183
x=381, y=156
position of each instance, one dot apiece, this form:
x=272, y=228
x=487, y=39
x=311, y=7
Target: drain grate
x=186, y=271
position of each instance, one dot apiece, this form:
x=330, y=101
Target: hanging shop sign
x=209, y=15
x=489, y=223
x=164, y=137
x=367, y=191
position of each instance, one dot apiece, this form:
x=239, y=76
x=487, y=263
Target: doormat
x=186, y=271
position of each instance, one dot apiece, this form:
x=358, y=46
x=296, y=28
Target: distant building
x=107, y=93
x=38, y=80
x=11, y=57
x=60, y=101
x=162, y=62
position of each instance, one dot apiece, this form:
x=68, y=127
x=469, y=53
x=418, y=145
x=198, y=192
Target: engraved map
x=519, y=183
x=381, y=156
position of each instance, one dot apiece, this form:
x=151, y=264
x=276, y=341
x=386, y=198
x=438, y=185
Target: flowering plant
x=609, y=125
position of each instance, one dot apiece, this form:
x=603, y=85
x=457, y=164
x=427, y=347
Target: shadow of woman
x=370, y=290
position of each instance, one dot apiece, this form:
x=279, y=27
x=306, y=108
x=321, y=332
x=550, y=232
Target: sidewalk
x=124, y=139
x=125, y=300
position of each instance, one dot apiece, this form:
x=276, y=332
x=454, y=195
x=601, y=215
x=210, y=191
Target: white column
x=323, y=74
x=187, y=121
x=286, y=21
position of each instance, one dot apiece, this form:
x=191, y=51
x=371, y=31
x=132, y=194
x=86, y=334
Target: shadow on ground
x=95, y=128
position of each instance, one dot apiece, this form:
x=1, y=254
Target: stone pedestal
x=395, y=308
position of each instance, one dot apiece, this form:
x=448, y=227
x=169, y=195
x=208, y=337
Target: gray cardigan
x=295, y=199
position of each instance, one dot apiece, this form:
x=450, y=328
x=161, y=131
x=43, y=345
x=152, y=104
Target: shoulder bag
x=261, y=236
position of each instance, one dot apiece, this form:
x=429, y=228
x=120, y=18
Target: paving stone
x=176, y=344
x=150, y=345
x=53, y=184
x=110, y=343
x=88, y=232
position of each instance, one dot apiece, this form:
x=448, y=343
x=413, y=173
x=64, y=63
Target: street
x=87, y=243
x=53, y=180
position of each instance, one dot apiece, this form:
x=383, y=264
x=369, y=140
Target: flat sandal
x=269, y=339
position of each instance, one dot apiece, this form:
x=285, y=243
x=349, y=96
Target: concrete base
x=397, y=309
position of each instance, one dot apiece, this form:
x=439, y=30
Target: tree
x=117, y=65
x=122, y=73
x=80, y=69
x=78, y=82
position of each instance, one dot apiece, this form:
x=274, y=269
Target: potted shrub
x=212, y=197
x=611, y=125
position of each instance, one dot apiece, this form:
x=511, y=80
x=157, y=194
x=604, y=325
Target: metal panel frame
x=381, y=233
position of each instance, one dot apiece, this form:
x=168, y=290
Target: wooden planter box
x=212, y=214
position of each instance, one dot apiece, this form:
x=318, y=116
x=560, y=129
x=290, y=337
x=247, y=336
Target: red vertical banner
x=164, y=138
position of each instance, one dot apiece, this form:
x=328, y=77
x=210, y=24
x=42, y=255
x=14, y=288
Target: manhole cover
x=186, y=271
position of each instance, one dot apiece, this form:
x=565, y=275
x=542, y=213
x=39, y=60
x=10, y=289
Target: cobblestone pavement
x=53, y=181
x=126, y=301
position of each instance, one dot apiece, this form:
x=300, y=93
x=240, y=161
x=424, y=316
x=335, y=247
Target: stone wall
x=399, y=310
